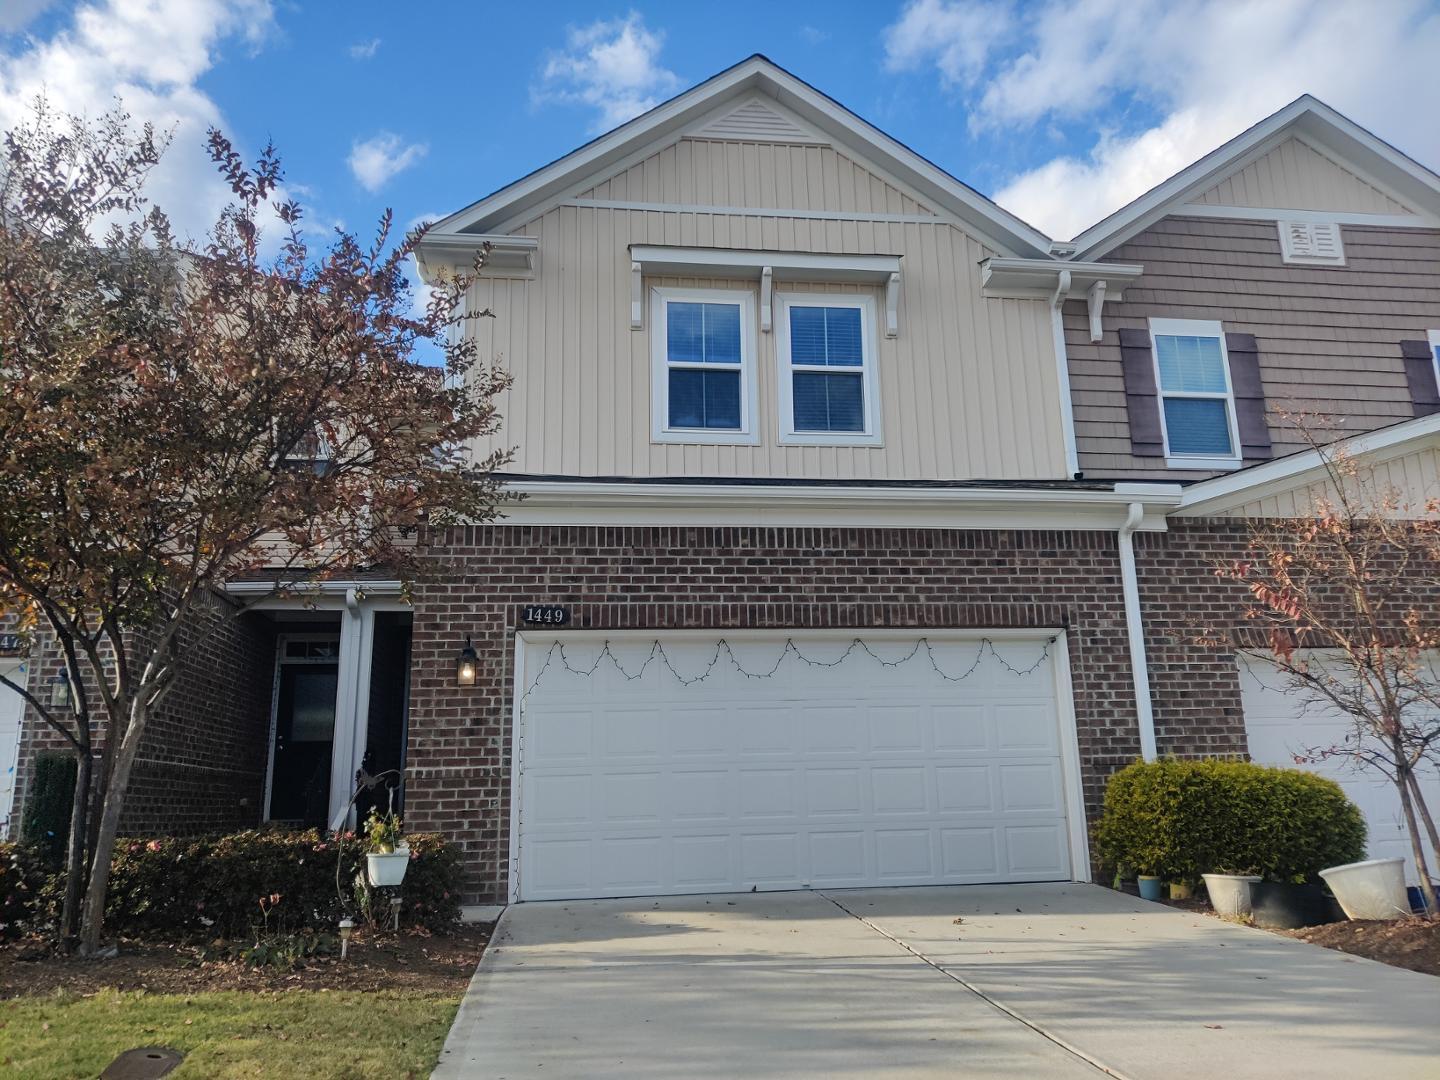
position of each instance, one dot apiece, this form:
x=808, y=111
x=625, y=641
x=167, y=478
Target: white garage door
x=809, y=771
x=1279, y=728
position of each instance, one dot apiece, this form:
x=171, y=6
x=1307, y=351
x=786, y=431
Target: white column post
x=1135, y=630
x=352, y=705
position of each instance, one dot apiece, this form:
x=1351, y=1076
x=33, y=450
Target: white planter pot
x=1374, y=889
x=1230, y=893
x=387, y=868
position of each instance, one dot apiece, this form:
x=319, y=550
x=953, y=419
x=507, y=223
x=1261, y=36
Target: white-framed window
x=828, y=385
x=1197, y=399
x=703, y=366
x=1434, y=336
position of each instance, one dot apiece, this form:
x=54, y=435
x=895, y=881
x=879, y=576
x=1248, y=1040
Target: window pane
x=1197, y=426
x=824, y=402
x=708, y=400
x=702, y=333
x=1192, y=364
x=825, y=335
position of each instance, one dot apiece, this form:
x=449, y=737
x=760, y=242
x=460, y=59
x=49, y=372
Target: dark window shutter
x=1249, y=396
x=1142, y=403
x=1420, y=374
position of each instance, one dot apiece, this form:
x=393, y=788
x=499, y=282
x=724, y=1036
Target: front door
x=304, y=731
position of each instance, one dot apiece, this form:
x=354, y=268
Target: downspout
x=1135, y=630
x=1062, y=372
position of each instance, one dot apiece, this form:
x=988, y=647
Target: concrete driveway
x=986, y=981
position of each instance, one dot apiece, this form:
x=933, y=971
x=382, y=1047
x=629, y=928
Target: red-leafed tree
x=1345, y=609
x=174, y=414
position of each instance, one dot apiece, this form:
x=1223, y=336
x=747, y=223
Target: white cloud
x=151, y=54
x=1206, y=70
x=365, y=50
x=956, y=35
x=18, y=14
x=612, y=66
x=375, y=160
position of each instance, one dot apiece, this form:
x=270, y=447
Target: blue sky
x=1062, y=110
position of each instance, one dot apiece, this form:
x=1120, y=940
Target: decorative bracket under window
x=1095, y=303
x=892, y=305
x=767, y=286
x=637, y=297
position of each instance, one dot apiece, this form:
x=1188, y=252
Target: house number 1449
x=546, y=614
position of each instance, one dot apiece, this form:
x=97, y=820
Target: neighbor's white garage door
x=1279, y=729
x=827, y=776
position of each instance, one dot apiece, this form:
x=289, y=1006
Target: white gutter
x=1135, y=630
x=1062, y=372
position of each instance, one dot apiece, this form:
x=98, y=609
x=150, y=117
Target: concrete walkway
x=1035, y=980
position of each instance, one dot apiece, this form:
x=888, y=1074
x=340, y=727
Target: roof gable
x=1296, y=176
x=1359, y=165
x=729, y=99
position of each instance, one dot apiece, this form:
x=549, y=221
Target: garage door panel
x=1279, y=726
x=847, y=776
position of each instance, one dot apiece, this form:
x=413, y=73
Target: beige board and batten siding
x=1328, y=337
x=1407, y=482
x=1298, y=177
x=967, y=390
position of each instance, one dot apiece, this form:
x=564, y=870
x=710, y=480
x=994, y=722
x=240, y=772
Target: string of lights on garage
x=657, y=652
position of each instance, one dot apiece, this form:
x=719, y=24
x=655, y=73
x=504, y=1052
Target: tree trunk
x=112, y=801
x=1417, y=849
x=77, y=848
x=1425, y=816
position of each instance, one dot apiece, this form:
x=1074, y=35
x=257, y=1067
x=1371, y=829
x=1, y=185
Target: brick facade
x=201, y=766
x=702, y=577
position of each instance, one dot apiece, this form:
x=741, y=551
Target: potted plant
x=387, y=855
x=1372, y=889
x=1151, y=886
x=1181, y=890
x=1230, y=892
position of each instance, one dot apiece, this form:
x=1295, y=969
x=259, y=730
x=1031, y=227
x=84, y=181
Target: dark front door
x=304, y=737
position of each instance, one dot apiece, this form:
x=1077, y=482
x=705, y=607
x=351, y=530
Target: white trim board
x=756, y=211
x=1272, y=214
x=581, y=502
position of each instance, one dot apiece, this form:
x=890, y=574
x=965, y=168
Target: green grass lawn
x=227, y=1035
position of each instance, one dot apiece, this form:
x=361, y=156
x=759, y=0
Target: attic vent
x=756, y=122
x=1316, y=243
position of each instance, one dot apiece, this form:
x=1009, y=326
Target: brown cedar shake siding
x=1328, y=338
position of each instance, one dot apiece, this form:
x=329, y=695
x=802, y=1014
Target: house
x=866, y=528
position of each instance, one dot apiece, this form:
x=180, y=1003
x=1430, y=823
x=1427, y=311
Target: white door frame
x=16, y=669
x=1060, y=669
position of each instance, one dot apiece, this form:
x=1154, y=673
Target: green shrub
x=212, y=886
x=22, y=877
x=1180, y=819
x=45, y=824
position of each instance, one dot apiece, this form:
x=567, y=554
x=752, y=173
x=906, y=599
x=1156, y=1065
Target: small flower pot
x=1373, y=889
x=387, y=868
x=1180, y=890
x=1230, y=894
x=1150, y=887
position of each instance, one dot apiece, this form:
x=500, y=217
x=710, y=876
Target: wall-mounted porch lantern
x=466, y=664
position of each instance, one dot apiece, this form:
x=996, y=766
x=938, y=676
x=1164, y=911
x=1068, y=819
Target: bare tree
x=1345, y=607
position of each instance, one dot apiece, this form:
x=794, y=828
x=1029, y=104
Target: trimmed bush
x=45, y=824
x=213, y=886
x=1180, y=819
x=22, y=878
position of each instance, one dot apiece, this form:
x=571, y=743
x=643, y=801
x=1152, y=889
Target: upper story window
x=827, y=379
x=1197, y=414
x=1435, y=352
x=703, y=366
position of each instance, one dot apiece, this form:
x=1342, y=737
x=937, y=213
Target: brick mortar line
x=1020, y=1018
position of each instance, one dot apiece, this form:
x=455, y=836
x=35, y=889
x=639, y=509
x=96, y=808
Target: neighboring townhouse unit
x=866, y=530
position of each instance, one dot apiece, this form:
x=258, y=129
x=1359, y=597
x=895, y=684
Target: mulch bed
x=413, y=960
x=1405, y=943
